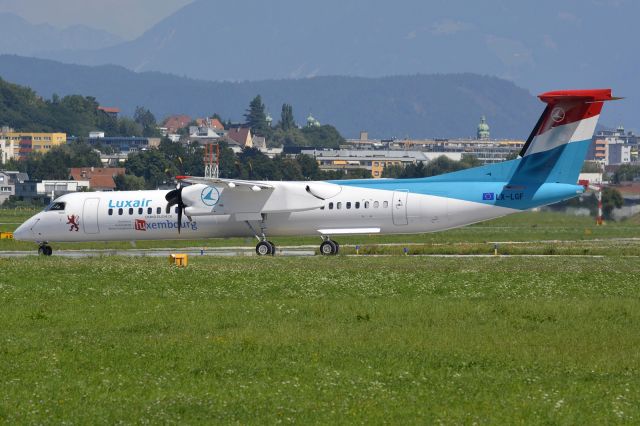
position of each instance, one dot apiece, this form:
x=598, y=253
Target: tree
x=147, y=121
x=591, y=167
x=437, y=166
x=626, y=173
x=323, y=136
x=287, y=122
x=308, y=167
x=256, y=118
x=152, y=166
x=611, y=199
x=129, y=183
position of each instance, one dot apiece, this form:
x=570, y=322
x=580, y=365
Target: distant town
x=261, y=149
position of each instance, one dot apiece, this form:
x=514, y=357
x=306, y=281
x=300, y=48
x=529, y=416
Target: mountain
x=21, y=37
x=542, y=45
x=416, y=106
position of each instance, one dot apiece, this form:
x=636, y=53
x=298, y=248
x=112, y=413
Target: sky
x=108, y=15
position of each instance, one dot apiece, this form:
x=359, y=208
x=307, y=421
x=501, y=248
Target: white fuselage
x=142, y=215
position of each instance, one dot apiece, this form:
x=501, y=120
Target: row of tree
x=286, y=132
x=157, y=167
x=22, y=109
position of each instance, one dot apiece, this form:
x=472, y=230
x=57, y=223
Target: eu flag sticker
x=487, y=196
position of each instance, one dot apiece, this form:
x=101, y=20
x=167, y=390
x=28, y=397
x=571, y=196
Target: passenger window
x=376, y=204
x=330, y=206
x=149, y=210
x=385, y=204
x=159, y=210
x=110, y=212
x=339, y=205
x=130, y=211
x=357, y=204
x=366, y=204
x=140, y=210
x=348, y=204
x=120, y=212
x=176, y=209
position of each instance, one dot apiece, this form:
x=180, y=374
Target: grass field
x=550, y=340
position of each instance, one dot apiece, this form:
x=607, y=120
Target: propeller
x=174, y=198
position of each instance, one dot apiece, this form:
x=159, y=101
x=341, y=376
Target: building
x=7, y=187
x=486, y=151
x=18, y=145
x=126, y=144
x=52, y=189
x=173, y=123
x=374, y=161
x=100, y=179
x=312, y=122
x=614, y=147
x=240, y=137
x=212, y=123
x=483, y=130
x=6, y=151
x=112, y=112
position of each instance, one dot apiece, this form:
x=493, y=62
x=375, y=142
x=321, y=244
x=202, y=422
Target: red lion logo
x=73, y=221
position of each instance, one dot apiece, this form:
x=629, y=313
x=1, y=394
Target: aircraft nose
x=23, y=232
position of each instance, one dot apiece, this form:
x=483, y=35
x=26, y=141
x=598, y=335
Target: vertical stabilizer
x=558, y=144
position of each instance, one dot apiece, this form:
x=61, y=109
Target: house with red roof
x=110, y=111
x=240, y=136
x=100, y=178
x=173, y=123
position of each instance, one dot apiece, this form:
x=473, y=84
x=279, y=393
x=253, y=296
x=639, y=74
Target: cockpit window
x=57, y=206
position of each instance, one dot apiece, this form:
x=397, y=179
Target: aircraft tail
x=558, y=144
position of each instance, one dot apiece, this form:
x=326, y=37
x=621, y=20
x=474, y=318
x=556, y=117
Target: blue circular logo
x=210, y=196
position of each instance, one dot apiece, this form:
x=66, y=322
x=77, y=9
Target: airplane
x=545, y=172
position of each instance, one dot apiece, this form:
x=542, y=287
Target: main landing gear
x=45, y=250
x=264, y=247
x=329, y=247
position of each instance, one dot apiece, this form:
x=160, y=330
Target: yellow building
x=40, y=142
x=19, y=144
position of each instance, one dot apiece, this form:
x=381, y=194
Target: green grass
x=320, y=340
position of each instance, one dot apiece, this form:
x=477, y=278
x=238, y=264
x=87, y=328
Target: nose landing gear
x=45, y=250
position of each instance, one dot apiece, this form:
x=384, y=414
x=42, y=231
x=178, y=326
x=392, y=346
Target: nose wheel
x=265, y=248
x=329, y=248
x=45, y=250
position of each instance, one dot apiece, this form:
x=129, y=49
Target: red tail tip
x=592, y=95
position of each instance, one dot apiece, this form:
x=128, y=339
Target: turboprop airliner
x=545, y=172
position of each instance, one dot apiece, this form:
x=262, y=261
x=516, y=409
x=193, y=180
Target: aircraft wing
x=248, y=200
x=228, y=183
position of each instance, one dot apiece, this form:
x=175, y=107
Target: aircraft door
x=90, y=216
x=399, y=207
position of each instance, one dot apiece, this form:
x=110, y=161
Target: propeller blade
x=180, y=208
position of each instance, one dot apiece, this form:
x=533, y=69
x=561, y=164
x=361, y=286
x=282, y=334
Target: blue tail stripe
x=535, y=180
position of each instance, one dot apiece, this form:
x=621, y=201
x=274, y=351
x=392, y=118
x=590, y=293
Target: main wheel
x=264, y=248
x=273, y=248
x=328, y=248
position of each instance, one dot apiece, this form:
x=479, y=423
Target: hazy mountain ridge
x=414, y=106
x=539, y=45
x=18, y=36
